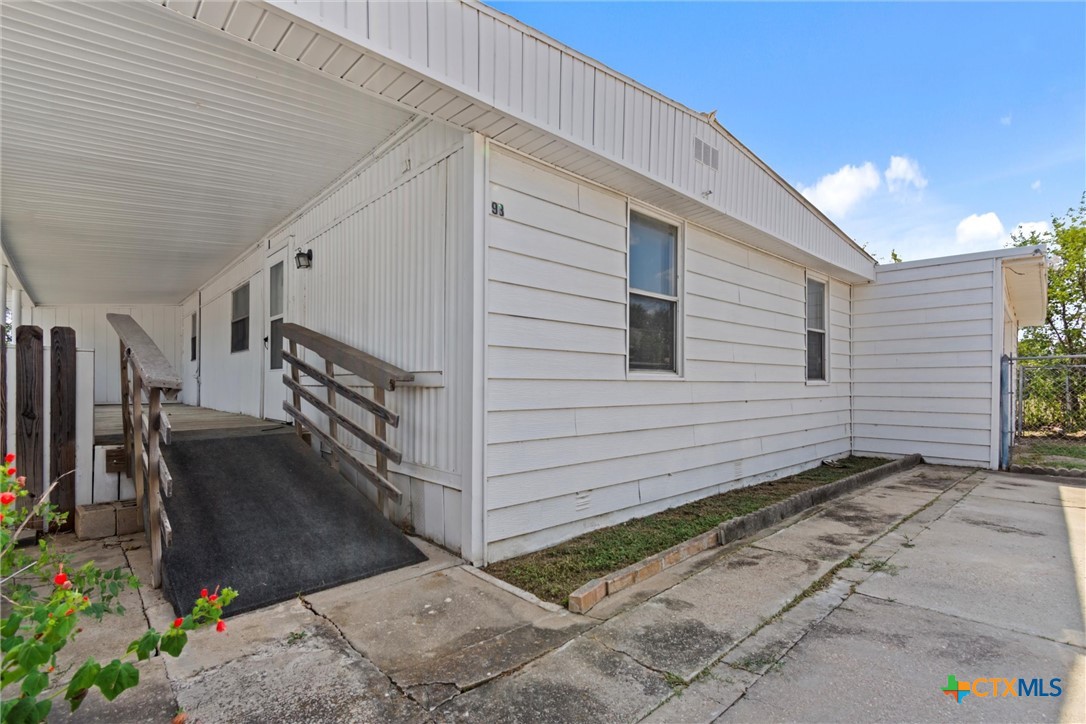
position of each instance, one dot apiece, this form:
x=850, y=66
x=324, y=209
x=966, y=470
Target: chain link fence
x=1042, y=410
x=1051, y=399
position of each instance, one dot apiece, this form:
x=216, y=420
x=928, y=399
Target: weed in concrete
x=756, y=662
x=295, y=636
x=676, y=682
x=882, y=567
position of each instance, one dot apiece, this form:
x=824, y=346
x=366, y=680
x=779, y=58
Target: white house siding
x=925, y=360
x=572, y=443
x=93, y=332
x=387, y=259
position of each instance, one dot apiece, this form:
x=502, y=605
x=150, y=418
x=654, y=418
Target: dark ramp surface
x=264, y=514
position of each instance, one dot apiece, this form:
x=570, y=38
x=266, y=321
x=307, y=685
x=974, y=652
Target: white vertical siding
x=923, y=341
x=387, y=265
x=232, y=381
x=572, y=443
x=93, y=332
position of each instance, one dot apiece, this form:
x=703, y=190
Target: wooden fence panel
x=29, y=408
x=62, y=404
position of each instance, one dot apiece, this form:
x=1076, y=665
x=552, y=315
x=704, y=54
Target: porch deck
x=108, y=422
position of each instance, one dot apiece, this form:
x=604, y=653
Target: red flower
x=178, y=622
x=69, y=612
x=11, y=471
x=61, y=578
x=9, y=458
x=203, y=593
x=213, y=597
x=220, y=626
x=86, y=599
x=7, y=498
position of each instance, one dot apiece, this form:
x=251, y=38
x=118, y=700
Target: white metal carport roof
x=148, y=142
x=141, y=153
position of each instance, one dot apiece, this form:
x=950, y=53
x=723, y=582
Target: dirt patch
x=553, y=573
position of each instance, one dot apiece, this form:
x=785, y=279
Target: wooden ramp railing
x=382, y=375
x=146, y=371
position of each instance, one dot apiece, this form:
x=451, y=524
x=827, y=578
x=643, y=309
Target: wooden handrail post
x=382, y=461
x=126, y=420
x=137, y=445
x=154, y=498
x=333, y=427
x=297, y=397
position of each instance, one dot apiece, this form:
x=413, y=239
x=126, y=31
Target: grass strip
x=553, y=573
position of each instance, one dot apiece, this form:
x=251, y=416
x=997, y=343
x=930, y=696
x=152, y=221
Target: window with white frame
x=239, y=319
x=816, y=329
x=654, y=294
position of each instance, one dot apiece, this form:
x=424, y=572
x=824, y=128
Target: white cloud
x=1027, y=228
x=837, y=193
x=984, y=231
x=1036, y=185
x=1006, y=120
x=902, y=173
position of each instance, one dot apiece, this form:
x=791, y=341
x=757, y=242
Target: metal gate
x=1041, y=397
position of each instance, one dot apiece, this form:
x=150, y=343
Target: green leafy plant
x=45, y=598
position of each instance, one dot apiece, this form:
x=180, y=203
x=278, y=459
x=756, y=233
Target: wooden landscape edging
x=591, y=593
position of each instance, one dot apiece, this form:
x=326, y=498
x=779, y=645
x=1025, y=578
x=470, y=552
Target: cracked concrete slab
x=152, y=700
x=705, y=699
x=1037, y=546
x=245, y=635
x=885, y=660
x=417, y=632
x=687, y=628
x=582, y=681
x=1026, y=489
x=315, y=678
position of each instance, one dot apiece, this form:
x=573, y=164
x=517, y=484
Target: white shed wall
x=572, y=443
x=93, y=332
x=925, y=358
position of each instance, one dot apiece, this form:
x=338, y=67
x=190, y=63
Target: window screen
x=192, y=338
x=239, y=319
x=816, y=330
x=654, y=301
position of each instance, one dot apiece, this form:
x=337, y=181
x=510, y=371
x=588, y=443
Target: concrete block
x=649, y=568
x=95, y=521
x=587, y=596
x=622, y=579
x=127, y=517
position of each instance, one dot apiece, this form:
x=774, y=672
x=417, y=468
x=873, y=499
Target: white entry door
x=275, y=294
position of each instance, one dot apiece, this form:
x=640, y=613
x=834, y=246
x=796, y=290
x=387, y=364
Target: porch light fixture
x=303, y=259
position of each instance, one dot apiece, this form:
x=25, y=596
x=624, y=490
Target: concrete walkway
x=858, y=610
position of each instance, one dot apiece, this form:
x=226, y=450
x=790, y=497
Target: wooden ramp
x=184, y=419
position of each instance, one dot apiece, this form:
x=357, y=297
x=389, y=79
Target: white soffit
x=1026, y=280
x=141, y=152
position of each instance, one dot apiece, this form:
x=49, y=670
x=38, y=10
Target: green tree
x=1064, y=330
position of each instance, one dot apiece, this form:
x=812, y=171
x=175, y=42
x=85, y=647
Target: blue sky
x=929, y=128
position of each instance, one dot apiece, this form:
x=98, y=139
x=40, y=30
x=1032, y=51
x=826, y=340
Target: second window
x=654, y=294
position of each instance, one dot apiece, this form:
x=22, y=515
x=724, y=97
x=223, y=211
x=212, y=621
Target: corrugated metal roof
x=141, y=153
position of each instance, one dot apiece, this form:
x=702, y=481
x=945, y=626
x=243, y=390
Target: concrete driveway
x=857, y=610
x=987, y=586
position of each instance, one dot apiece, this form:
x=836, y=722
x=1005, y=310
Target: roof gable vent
x=706, y=154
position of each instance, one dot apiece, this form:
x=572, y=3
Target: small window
x=239, y=320
x=276, y=354
x=275, y=290
x=192, y=338
x=654, y=299
x=816, y=330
